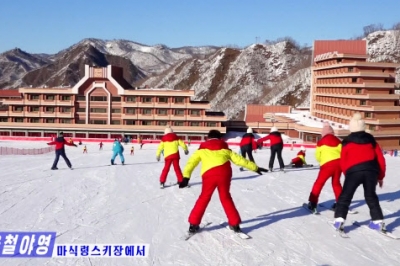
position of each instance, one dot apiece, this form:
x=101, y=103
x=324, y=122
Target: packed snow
x=97, y=203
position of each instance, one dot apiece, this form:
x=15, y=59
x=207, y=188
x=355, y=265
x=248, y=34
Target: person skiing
x=216, y=171
x=60, y=143
x=300, y=159
x=189, y=142
x=132, y=150
x=327, y=154
x=169, y=145
x=139, y=140
x=362, y=162
x=101, y=145
x=84, y=149
x=247, y=145
x=276, y=144
x=118, y=149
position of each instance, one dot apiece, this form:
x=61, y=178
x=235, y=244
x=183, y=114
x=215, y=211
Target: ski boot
x=193, y=228
x=162, y=185
x=333, y=207
x=54, y=168
x=339, y=224
x=312, y=207
x=235, y=228
x=270, y=169
x=378, y=225
x=112, y=162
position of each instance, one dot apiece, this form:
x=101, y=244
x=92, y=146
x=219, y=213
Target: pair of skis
x=241, y=235
x=343, y=234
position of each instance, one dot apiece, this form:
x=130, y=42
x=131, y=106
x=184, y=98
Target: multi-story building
x=344, y=82
x=103, y=105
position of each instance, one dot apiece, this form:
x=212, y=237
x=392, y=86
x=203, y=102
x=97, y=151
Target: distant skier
x=169, y=146
x=189, y=141
x=132, y=150
x=327, y=154
x=60, y=143
x=101, y=145
x=362, y=162
x=300, y=159
x=84, y=149
x=118, y=149
x=139, y=140
x=247, y=145
x=276, y=143
x=216, y=171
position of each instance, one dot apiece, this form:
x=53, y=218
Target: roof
x=10, y=93
x=255, y=112
x=354, y=47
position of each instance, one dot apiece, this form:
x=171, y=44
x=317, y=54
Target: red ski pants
x=167, y=166
x=327, y=171
x=223, y=185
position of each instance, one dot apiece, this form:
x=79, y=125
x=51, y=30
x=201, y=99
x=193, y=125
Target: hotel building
x=343, y=83
x=103, y=105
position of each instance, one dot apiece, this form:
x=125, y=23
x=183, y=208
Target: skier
x=139, y=140
x=169, y=145
x=300, y=159
x=101, y=145
x=84, y=149
x=118, y=149
x=327, y=154
x=276, y=143
x=60, y=143
x=132, y=150
x=189, y=142
x=247, y=145
x=215, y=157
x=362, y=162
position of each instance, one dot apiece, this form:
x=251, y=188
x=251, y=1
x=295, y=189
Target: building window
x=19, y=120
x=130, y=122
x=162, y=123
x=4, y=119
x=79, y=121
x=179, y=112
x=34, y=97
x=116, y=99
x=81, y=98
x=211, y=124
x=98, y=110
x=116, y=111
x=131, y=99
x=81, y=110
x=358, y=91
x=353, y=80
x=147, y=123
x=65, y=98
x=98, y=98
x=350, y=69
x=179, y=99
x=147, y=100
x=146, y=111
x=162, y=112
x=34, y=109
x=372, y=127
x=65, y=121
x=34, y=120
x=195, y=112
x=115, y=122
x=49, y=110
x=49, y=120
x=98, y=122
x=368, y=115
x=65, y=109
x=178, y=123
x=194, y=124
x=130, y=111
x=162, y=99
x=18, y=109
x=363, y=102
x=49, y=97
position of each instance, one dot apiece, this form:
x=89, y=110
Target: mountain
x=270, y=73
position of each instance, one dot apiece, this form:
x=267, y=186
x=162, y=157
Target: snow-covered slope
x=97, y=203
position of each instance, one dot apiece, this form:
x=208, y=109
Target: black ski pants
x=276, y=150
x=247, y=149
x=62, y=154
x=369, y=180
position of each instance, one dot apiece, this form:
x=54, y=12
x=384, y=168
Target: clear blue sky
x=48, y=26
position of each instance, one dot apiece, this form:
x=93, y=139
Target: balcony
x=362, y=73
x=32, y=114
x=48, y=103
x=64, y=115
x=65, y=103
x=129, y=116
x=356, y=85
x=360, y=96
x=194, y=118
x=199, y=105
x=145, y=117
x=16, y=113
x=129, y=104
x=162, y=105
x=4, y=114
x=13, y=102
x=179, y=105
x=145, y=105
x=178, y=117
x=32, y=102
x=48, y=114
x=360, y=107
x=162, y=117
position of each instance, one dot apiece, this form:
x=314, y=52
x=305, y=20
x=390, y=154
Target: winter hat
x=168, y=130
x=356, y=123
x=61, y=133
x=326, y=129
x=214, y=134
x=273, y=129
x=302, y=148
x=249, y=130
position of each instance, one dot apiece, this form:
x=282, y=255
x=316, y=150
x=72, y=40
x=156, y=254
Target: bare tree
x=372, y=28
x=396, y=26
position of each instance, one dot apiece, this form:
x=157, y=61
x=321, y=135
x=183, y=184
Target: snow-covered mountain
x=273, y=73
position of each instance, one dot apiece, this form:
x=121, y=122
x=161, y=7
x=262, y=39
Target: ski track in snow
x=97, y=203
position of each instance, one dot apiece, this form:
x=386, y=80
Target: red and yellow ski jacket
x=300, y=159
x=170, y=145
x=215, y=157
x=328, y=150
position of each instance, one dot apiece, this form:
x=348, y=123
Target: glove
x=260, y=170
x=184, y=182
x=380, y=182
x=158, y=158
x=186, y=152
